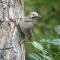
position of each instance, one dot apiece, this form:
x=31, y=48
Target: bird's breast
x=29, y=25
x=26, y=23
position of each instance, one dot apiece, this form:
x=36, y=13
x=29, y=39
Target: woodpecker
x=27, y=25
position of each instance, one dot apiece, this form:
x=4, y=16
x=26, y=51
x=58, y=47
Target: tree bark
x=11, y=42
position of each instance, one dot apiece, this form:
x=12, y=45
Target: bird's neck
x=29, y=16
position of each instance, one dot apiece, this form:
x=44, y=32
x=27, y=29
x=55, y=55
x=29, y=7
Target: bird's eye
x=33, y=14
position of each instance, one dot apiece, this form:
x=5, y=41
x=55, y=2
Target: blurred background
x=45, y=43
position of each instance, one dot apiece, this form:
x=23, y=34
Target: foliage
x=45, y=49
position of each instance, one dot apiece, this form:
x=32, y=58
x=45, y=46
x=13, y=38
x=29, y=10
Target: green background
x=44, y=27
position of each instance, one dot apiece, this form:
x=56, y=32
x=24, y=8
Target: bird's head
x=34, y=15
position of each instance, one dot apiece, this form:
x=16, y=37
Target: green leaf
x=35, y=56
x=48, y=58
x=56, y=41
x=57, y=29
x=37, y=45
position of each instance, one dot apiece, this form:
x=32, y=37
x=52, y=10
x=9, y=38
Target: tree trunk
x=11, y=42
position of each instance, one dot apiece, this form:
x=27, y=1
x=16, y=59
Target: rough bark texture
x=11, y=45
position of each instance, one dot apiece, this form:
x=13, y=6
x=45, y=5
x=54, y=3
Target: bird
x=27, y=24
